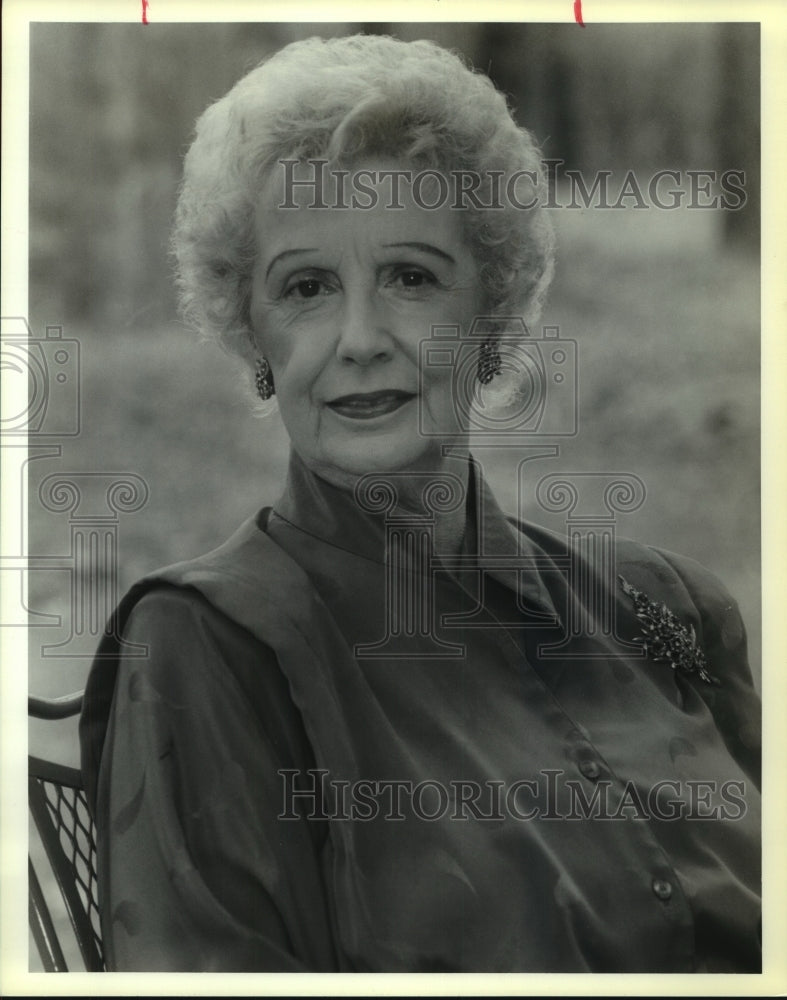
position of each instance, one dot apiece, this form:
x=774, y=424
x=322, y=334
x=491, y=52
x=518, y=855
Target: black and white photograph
x=383, y=500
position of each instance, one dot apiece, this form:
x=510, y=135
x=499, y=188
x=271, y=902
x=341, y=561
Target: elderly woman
x=365, y=733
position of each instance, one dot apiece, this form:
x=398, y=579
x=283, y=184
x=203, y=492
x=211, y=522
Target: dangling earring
x=489, y=362
x=263, y=379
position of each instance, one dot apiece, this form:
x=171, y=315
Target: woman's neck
x=438, y=497
x=434, y=495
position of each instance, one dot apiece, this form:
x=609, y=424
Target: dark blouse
x=298, y=775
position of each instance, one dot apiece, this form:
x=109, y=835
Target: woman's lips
x=366, y=405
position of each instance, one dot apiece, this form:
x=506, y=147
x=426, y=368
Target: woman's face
x=341, y=300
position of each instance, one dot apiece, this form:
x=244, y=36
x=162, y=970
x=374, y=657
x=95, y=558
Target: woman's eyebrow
x=288, y=253
x=425, y=248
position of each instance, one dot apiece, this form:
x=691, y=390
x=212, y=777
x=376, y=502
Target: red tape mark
x=146, y=4
x=578, y=13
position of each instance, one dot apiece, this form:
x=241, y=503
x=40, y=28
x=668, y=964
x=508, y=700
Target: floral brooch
x=665, y=638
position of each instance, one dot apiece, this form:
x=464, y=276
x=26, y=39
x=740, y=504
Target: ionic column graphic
x=516, y=565
x=409, y=559
x=94, y=502
x=591, y=501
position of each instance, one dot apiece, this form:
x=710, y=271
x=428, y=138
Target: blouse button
x=662, y=888
x=590, y=769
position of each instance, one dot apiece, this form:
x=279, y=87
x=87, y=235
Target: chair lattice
x=77, y=836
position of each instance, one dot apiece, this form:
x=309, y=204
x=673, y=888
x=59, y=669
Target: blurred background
x=663, y=305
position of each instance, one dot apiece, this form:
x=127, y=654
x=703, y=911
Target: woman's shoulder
x=677, y=582
x=239, y=580
x=679, y=573
x=193, y=654
x=645, y=565
x=164, y=612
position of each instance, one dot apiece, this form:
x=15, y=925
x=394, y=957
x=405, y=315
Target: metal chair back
x=59, y=809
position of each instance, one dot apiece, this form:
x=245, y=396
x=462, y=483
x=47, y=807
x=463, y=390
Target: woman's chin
x=383, y=458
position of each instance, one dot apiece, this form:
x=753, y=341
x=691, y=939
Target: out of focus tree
x=738, y=124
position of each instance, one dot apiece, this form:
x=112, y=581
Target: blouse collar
x=491, y=541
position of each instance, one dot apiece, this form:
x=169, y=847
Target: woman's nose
x=364, y=333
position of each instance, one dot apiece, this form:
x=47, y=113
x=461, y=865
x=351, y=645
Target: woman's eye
x=306, y=288
x=413, y=278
